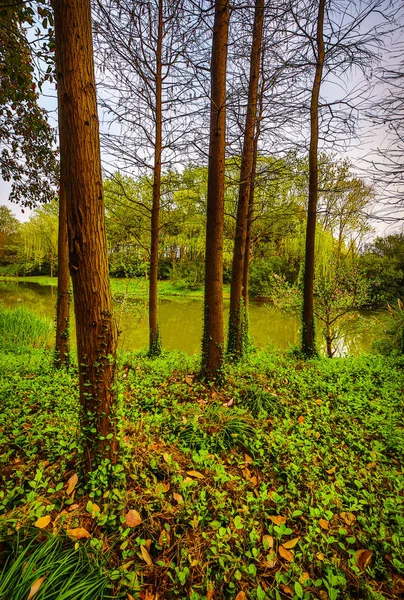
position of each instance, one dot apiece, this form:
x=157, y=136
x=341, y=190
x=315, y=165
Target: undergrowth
x=285, y=483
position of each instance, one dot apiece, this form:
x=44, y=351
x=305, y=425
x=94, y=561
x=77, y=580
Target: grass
x=21, y=329
x=285, y=483
x=135, y=288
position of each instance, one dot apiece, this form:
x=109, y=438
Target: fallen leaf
x=248, y=459
x=132, y=518
x=73, y=507
x=196, y=474
x=146, y=556
x=254, y=480
x=164, y=538
x=304, y=577
x=210, y=592
x=320, y=556
x=178, y=498
x=148, y=544
x=277, y=519
x=330, y=471
x=267, y=542
x=363, y=558
x=247, y=473
x=347, y=517
x=286, y=589
x=300, y=419
x=162, y=488
x=323, y=595
x=78, y=533
x=323, y=523
x=71, y=484
x=241, y=596
x=42, y=522
x=35, y=587
x=291, y=543
x=130, y=597
x=285, y=553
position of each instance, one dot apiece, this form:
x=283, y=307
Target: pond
x=181, y=321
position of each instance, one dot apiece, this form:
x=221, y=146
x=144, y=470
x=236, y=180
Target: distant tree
x=27, y=158
x=82, y=182
x=9, y=229
x=237, y=315
x=213, y=335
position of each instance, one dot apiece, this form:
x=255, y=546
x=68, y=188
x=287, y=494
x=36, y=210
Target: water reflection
x=181, y=321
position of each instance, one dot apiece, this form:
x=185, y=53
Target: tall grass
x=53, y=566
x=20, y=328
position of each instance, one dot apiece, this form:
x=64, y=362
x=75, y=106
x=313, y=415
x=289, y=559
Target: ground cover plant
x=284, y=483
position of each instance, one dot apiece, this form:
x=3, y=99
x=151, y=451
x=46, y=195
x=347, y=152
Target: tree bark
x=81, y=179
x=213, y=334
x=154, y=337
x=63, y=299
x=250, y=215
x=308, y=341
x=236, y=317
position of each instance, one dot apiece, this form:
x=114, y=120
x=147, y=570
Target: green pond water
x=181, y=321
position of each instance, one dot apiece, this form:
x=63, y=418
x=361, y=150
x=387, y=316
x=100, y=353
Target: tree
x=81, y=180
x=27, y=158
x=236, y=317
x=213, y=336
x=9, y=229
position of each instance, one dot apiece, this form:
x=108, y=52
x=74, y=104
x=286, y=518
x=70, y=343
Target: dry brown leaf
x=363, y=558
x=210, y=592
x=146, y=556
x=286, y=589
x=241, y=596
x=42, y=522
x=148, y=544
x=304, y=577
x=300, y=419
x=71, y=484
x=277, y=519
x=254, y=480
x=35, y=587
x=196, y=474
x=347, y=517
x=78, y=533
x=188, y=480
x=178, y=498
x=162, y=488
x=330, y=471
x=247, y=473
x=164, y=538
x=132, y=518
x=323, y=595
x=285, y=553
x=73, y=507
x=291, y=543
x=323, y=523
x=95, y=508
x=130, y=597
x=320, y=556
x=268, y=541
x=248, y=459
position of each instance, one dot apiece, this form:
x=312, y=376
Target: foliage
x=394, y=329
x=26, y=154
x=286, y=478
x=190, y=275
x=19, y=328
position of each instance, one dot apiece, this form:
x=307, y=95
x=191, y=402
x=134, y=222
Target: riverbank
x=135, y=288
x=285, y=483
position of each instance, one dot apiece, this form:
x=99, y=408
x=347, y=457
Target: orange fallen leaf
x=132, y=518
x=285, y=553
x=267, y=541
x=363, y=558
x=241, y=596
x=71, y=484
x=300, y=419
x=286, y=589
x=163, y=487
x=277, y=519
x=73, y=507
x=347, y=517
x=130, y=597
x=320, y=556
x=291, y=543
x=304, y=577
x=196, y=474
x=78, y=533
x=146, y=556
x=330, y=471
x=35, y=587
x=178, y=498
x=42, y=522
x=210, y=592
x=248, y=459
x=323, y=523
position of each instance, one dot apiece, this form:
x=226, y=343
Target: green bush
x=189, y=275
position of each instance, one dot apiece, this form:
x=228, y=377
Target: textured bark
x=63, y=300
x=236, y=317
x=308, y=341
x=81, y=179
x=250, y=215
x=154, y=341
x=213, y=334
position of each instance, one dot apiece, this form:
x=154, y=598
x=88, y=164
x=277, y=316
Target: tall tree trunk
x=81, y=179
x=63, y=299
x=154, y=337
x=250, y=215
x=213, y=335
x=236, y=317
x=308, y=341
